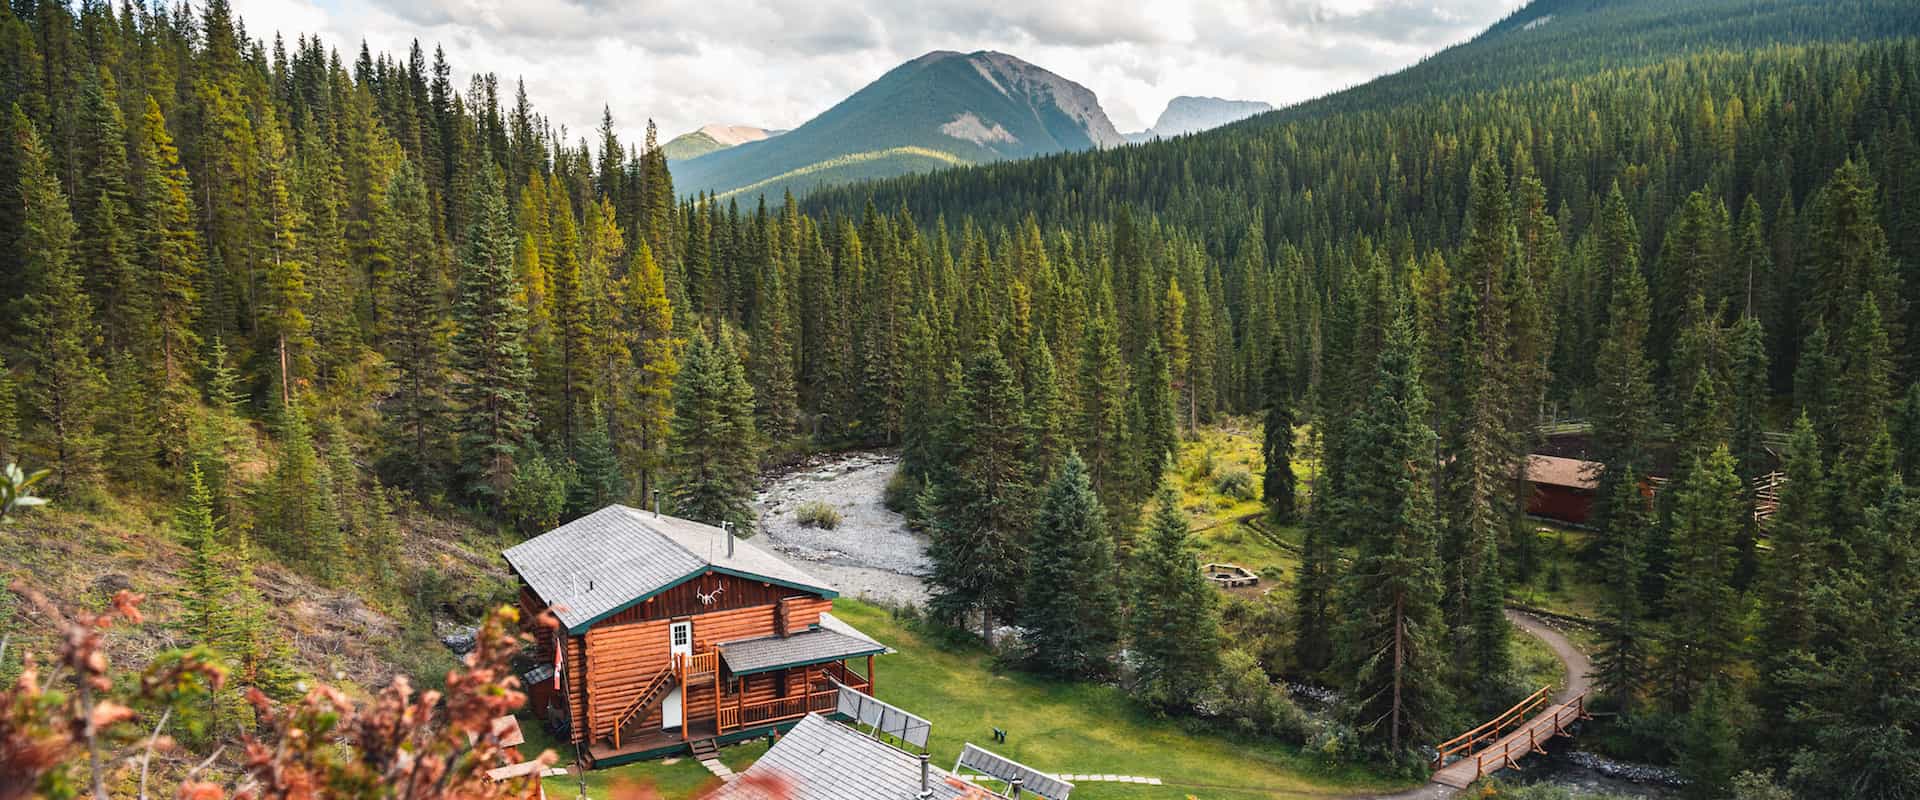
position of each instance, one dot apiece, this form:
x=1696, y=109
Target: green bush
x=898, y=497
x=816, y=514
x=1243, y=699
x=1235, y=483
x=537, y=497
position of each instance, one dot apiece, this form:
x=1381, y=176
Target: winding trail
x=1577, y=680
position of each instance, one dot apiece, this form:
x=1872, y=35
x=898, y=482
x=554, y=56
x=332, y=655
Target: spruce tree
x=1750, y=396
x=1706, y=626
x=1905, y=430
x=1794, y=570
x=418, y=340
x=597, y=480
x=495, y=415
x=1277, y=482
x=981, y=498
x=714, y=448
x=294, y=506
x=649, y=321
x=1389, y=632
x=1620, y=667
x=1101, y=435
x=1313, y=597
x=1071, y=607
x=1175, y=624
x=207, y=581
x=775, y=404
x=1045, y=413
x=1856, y=701
x=63, y=375
x=1623, y=417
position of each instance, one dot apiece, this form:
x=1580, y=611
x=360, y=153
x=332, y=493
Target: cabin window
x=780, y=683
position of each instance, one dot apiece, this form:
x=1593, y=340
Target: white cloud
x=776, y=64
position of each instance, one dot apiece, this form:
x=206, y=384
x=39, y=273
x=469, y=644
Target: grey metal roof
x=812, y=647
x=606, y=560
x=824, y=760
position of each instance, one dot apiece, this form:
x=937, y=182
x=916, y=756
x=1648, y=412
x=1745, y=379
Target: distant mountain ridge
x=1188, y=114
x=942, y=109
x=711, y=137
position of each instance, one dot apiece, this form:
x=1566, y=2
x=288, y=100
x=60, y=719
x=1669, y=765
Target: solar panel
x=1005, y=769
x=883, y=718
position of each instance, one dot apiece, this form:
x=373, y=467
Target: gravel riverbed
x=871, y=554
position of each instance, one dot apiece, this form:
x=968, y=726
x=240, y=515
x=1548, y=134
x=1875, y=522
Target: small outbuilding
x=1563, y=488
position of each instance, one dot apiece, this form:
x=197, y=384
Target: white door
x=670, y=711
x=679, y=643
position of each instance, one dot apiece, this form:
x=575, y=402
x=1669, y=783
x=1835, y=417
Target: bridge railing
x=1491, y=729
x=1494, y=759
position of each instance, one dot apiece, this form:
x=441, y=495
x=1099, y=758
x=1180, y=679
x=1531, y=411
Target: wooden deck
x=647, y=744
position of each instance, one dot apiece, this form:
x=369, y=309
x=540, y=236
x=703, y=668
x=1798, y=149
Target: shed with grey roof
x=823, y=760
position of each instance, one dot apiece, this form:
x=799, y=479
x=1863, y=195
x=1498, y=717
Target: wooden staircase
x=656, y=690
x=704, y=749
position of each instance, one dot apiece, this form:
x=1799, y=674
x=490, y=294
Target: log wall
x=622, y=658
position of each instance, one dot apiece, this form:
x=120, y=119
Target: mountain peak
x=943, y=108
x=1192, y=114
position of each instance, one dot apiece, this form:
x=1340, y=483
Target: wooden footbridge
x=1502, y=741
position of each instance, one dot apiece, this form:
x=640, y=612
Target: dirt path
x=1576, y=680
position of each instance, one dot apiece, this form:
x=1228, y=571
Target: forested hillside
x=1653, y=219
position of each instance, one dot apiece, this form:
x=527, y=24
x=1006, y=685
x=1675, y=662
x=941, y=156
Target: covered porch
x=742, y=689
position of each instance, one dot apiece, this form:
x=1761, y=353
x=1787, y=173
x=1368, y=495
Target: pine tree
x=1277, y=484
x=1313, y=596
x=1794, y=569
x=1102, y=430
x=649, y=320
x=1856, y=702
x=1071, y=606
x=495, y=415
x=1709, y=747
x=1750, y=395
x=597, y=481
x=1621, y=665
x=776, y=405
x=1045, y=413
x=418, y=342
x=1905, y=430
x=167, y=247
x=1175, y=625
x=981, y=499
x=9, y=414
x=1389, y=631
x=294, y=506
x=715, y=450
x=1623, y=416
x=64, y=378
x=285, y=332
x=207, y=581
x=1707, y=621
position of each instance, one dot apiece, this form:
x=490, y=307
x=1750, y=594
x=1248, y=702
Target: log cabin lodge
x=674, y=636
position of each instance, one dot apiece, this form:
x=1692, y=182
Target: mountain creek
x=871, y=554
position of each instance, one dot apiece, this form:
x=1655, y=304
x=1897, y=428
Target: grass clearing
x=1051, y=725
x=1562, y=584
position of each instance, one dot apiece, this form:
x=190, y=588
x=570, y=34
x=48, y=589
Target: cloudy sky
x=775, y=63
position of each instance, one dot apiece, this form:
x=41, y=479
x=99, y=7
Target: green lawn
x=1052, y=726
x=1573, y=590
x=1080, y=728
x=673, y=778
